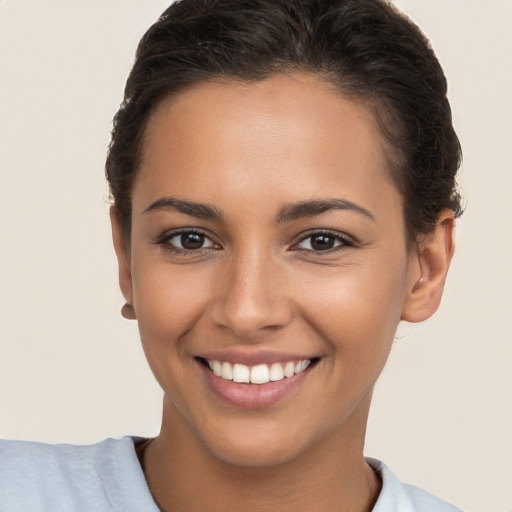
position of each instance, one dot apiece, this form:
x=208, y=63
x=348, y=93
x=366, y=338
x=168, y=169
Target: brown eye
x=186, y=241
x=191, y=241
x=324, y=241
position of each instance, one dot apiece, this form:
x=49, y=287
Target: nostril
x=247, y=319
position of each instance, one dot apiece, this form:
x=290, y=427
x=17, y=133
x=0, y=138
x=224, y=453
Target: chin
x=255, y=453
x=262, y=442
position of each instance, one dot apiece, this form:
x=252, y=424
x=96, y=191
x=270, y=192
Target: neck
x=184, y=476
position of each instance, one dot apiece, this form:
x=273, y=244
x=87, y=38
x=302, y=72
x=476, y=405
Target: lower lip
x=253, y=396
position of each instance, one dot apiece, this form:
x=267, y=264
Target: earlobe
x=123, y=261
x=428, y=268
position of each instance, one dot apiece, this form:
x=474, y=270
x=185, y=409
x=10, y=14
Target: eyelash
x=342, y=241
x=165, y=241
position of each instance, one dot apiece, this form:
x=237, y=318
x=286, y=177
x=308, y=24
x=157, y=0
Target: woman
x=283, y=178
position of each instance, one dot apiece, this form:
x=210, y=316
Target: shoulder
x=104, y=476
x=398, y=497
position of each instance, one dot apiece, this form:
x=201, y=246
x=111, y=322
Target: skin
x=257, y=283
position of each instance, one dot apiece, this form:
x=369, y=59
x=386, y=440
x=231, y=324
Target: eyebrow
x=288, y=212
x=199, y=210
x=318, y=206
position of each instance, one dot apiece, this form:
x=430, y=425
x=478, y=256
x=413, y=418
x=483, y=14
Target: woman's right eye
x=186, y=241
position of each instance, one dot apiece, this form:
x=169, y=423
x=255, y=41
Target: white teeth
x=217, y=367
x=276, y=372
x=241, y=373
x=226, y=371
x=302, y=365
x=260, y=374
x=289, y=369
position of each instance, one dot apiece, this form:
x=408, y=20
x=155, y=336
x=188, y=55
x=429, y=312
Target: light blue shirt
x=107, y=477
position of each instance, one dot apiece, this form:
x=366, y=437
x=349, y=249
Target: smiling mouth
x=258, y=374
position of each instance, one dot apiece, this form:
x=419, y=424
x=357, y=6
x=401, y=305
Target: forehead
x=225, y=135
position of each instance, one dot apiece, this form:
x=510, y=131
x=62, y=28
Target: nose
x=251, y=296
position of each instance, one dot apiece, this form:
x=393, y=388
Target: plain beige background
x=72, y=370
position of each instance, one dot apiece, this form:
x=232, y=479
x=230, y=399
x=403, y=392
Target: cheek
x=169, y=301
x=169, y=304
x=356, y=308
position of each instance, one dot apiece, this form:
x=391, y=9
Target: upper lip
x=254, y=357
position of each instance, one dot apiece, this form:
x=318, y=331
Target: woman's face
x=266, y=232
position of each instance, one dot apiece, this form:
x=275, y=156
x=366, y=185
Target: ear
x=428, y=267
x=123, y=261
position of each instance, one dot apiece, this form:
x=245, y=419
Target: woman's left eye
x=323, y=242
